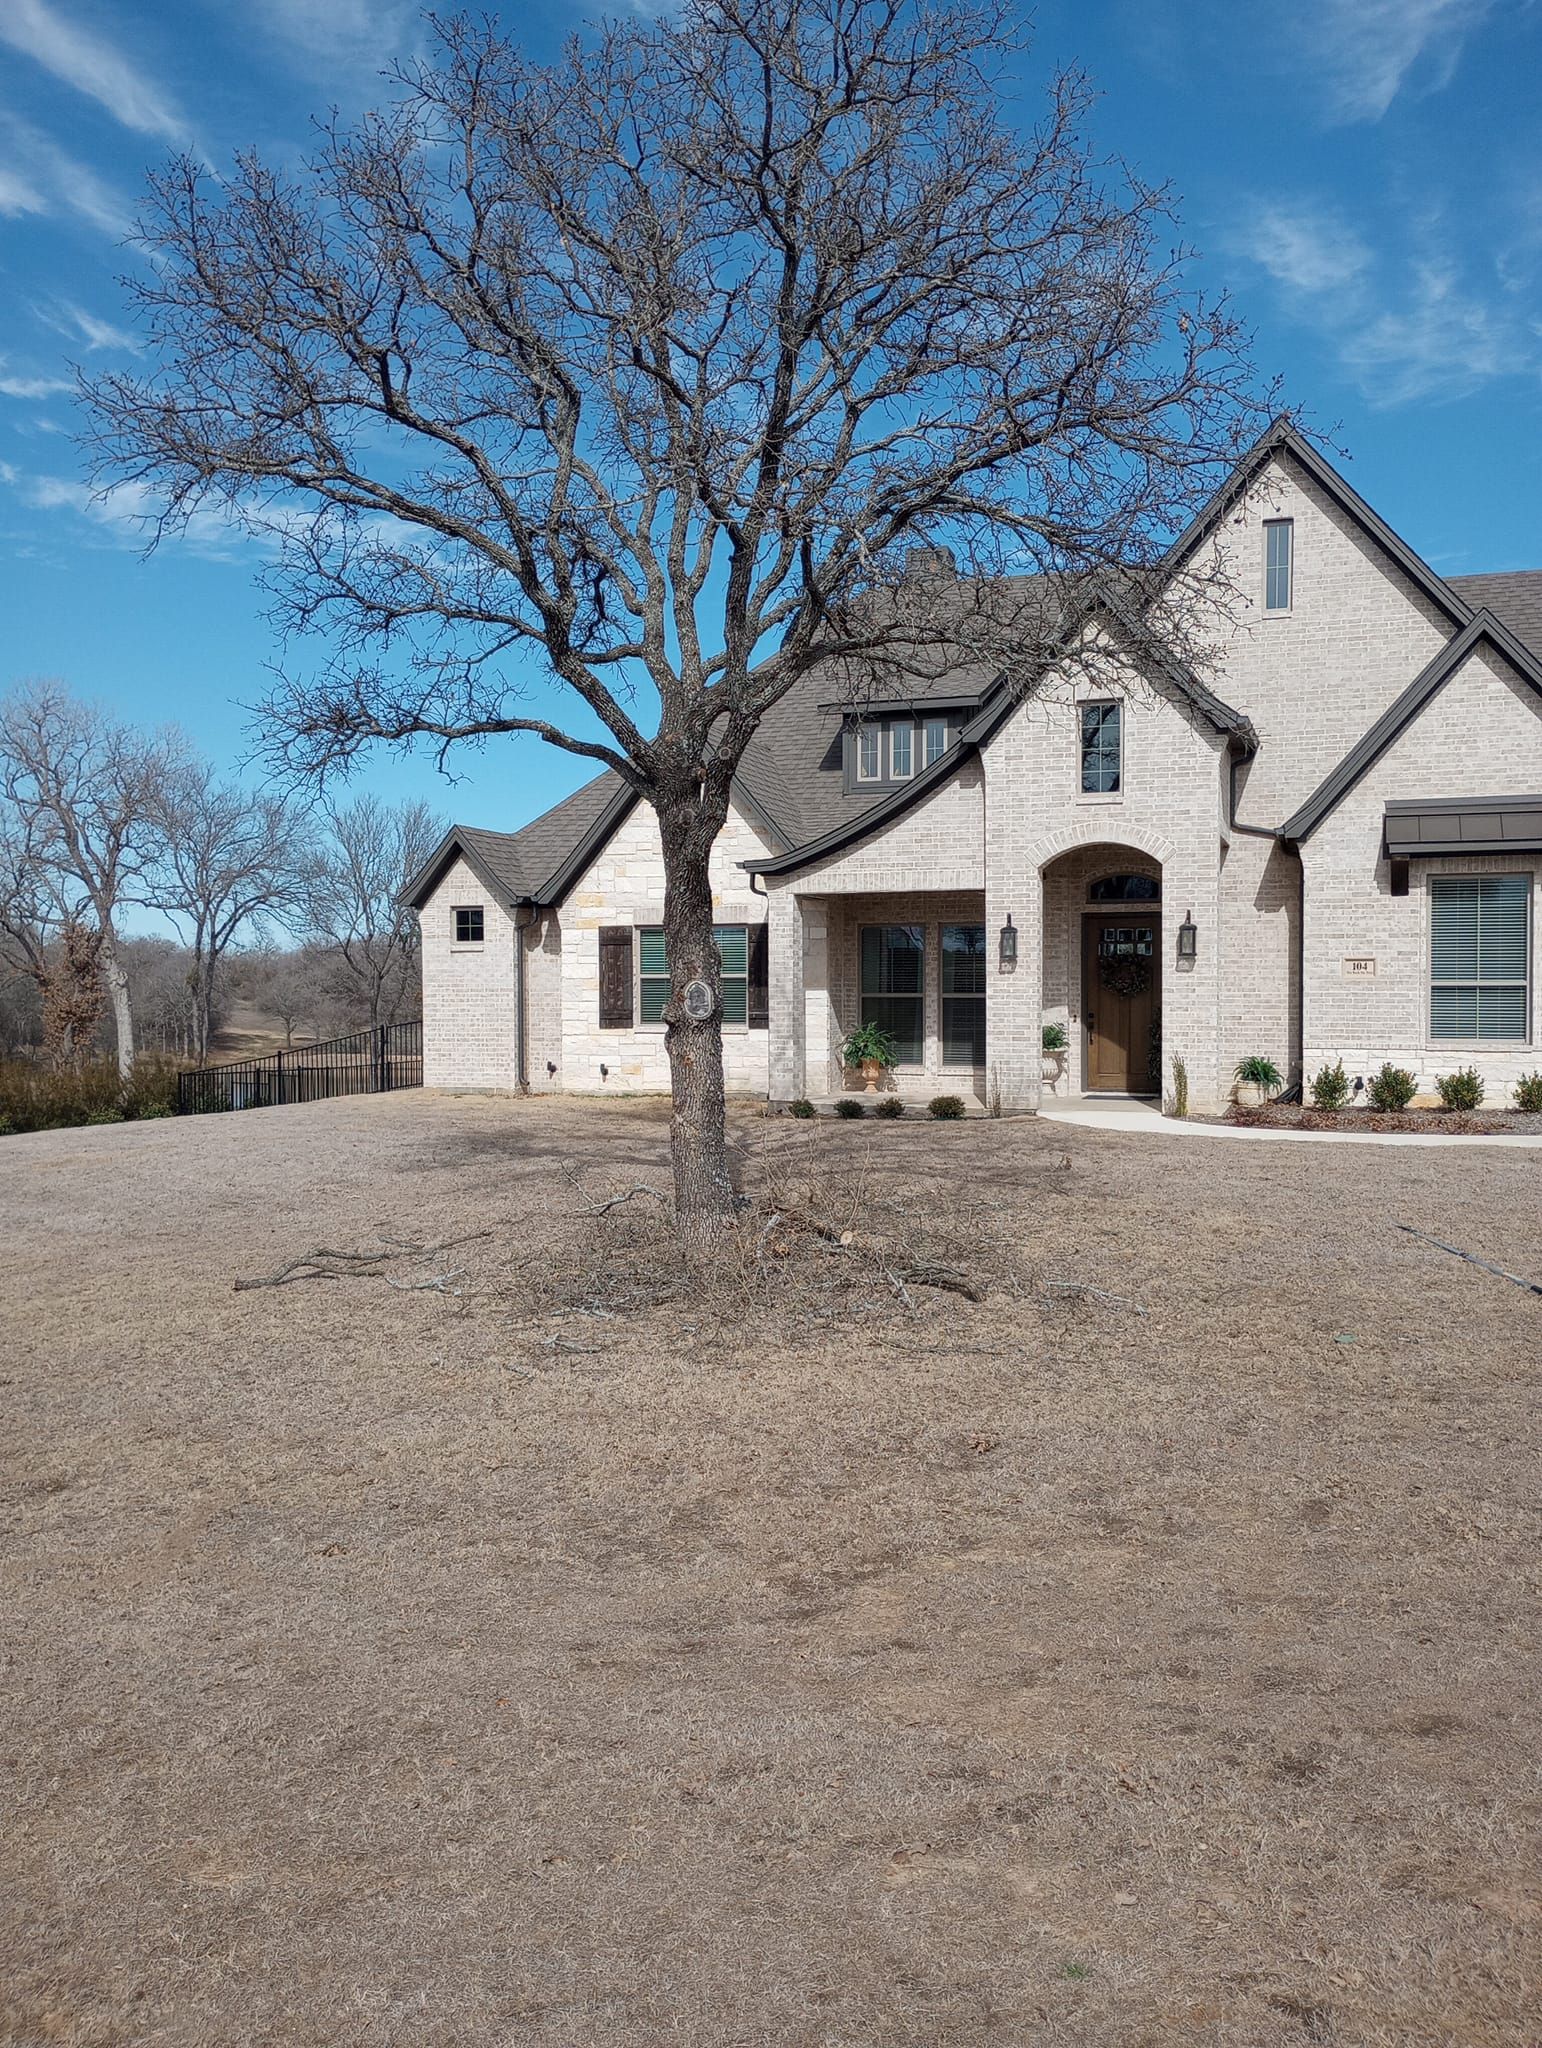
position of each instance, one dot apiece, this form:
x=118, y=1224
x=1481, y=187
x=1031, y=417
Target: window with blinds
x=653, y=976
x=1479, y=956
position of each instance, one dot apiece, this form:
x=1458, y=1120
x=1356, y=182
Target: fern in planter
x=1055, y=1039
x=1257, y=1071
x=869, y=1042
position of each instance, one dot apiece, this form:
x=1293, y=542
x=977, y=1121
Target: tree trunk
x=203, y=1004
x=115, y=974
x=704, y=1195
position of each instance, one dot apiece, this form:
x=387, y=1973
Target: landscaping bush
x=1180, y=1088
x=1461, y=1090
x=890, y=1106
x=946, y=1108
x=848, y=1107
x=1528, y=1092
x=1392, y=1087
x=802, y=1107
x=1330, y=1088
x=38, y=1098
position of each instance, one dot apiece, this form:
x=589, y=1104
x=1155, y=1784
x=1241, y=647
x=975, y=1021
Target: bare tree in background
x=83, y=790
x=650, y=364
x=228, y=858
x=354, y=903
x=30, y=915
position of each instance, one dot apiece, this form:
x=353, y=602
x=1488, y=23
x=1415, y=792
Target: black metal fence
x=363, y=1063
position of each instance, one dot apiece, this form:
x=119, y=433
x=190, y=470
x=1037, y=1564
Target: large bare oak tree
x=638, y=372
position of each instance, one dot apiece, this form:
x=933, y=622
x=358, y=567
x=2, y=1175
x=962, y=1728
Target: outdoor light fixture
x=1009, y=943
x=1188, y=938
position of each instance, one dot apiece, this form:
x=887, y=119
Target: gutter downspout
x=525, y=915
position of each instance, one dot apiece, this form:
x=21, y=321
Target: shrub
x=1256, y=1071
x=1392, y=1087
x=105, y=1116
x=802, y=1107
x=39, y=1098
x=1180, y=1088
x=1055, y=1039
x=849, y=1107
x=1461, y=1090
x=1528, y=1092
x=946, y=1108
x=891, y=1106
x=1330, y=1088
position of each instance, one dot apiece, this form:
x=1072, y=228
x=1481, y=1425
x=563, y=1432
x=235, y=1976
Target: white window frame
x=870, y=729
x=928, y=726
x=1280, y=611
x=907, y=773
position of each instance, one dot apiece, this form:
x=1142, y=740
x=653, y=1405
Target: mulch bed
x=1452, y=1123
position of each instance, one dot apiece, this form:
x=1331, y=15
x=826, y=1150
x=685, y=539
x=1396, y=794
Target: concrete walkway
x=1128, y=1113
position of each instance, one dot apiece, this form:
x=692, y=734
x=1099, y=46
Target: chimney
x=929, y=565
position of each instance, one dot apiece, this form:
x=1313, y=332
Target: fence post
x=381, y=1071
x=280, y=1071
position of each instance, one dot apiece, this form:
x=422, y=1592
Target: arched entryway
x=1102, y=968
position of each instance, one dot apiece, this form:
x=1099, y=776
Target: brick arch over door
x=1096, y=833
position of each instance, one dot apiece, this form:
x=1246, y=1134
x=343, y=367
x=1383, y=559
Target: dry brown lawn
x=783, y=1668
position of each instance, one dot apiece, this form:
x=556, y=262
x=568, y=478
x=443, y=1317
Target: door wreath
x=1126, y=974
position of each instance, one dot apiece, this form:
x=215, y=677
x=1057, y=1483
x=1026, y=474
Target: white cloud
x=13, y=385
x=354, y=35
x=91, y=65
x=45, y=179
x=1443, y=341
x=76, y=324
x=1306, y=248
x=1368, y=50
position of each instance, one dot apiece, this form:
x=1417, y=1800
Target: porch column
x=819, y=1078
x=1014, y=1000
x=785, y=1054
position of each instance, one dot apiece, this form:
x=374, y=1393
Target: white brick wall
x=1481, y=735
x=468, y=991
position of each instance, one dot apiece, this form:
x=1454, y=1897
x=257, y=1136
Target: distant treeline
x=293, y=908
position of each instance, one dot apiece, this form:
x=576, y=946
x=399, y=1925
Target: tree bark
x=704, y=1194
x=115, y=974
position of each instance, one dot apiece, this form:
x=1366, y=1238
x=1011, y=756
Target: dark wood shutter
x=760, y=980
x=615, y=976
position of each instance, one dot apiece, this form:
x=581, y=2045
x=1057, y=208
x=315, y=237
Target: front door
x=1121, y=1001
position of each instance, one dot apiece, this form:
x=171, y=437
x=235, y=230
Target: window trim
x=1476, y=981
x=946, y=996
x=892, y=729
x=460, y=910
x=925, y=728
x=919, y=996
x=881, y=732
x=1280, y=611
x=730, y=1024
x=1100, y=796
x=869, y=728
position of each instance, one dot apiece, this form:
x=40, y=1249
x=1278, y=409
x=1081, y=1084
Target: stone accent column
x=786, y=1057
x=1014, y=994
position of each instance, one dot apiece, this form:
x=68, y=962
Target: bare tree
x=649, y=365
x=30, y=911
x=83, y=791
x=227, y=858
x=354, y=903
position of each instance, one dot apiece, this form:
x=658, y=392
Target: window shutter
x=616, y=976
x=760, y=979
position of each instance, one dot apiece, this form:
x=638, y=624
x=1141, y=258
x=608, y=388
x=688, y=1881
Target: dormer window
x=901, y=752
x=1279, y=552
x=888, y=751
x=934, y=740
x=869, y=753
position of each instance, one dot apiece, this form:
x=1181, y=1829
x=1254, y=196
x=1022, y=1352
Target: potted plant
x=1257, y=1079
x=1056, y=1045
x=870, y=1049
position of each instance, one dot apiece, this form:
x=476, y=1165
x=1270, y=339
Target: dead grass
x=570, y=1660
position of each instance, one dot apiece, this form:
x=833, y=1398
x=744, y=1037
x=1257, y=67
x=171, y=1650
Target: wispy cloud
x=1368, y=51
x=14, y=384
x=359, y=36
x=91, y=65
x=41, y=178
x=1406, y=326
x=77, y=325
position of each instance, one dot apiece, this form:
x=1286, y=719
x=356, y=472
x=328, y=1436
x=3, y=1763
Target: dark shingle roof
x=1514, y=596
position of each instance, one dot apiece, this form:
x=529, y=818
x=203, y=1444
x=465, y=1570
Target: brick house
x=1327, y=847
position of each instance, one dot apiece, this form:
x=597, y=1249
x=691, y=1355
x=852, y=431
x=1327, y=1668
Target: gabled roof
x=1398, y=716
x=1282, y=438
x=539, y=863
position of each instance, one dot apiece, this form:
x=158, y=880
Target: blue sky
x=1365, y=176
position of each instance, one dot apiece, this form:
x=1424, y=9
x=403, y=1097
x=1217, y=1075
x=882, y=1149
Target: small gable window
x=468, y=924
x=1279, y=553
x=1101, y=749
x=1125, y=889
x=869, y=753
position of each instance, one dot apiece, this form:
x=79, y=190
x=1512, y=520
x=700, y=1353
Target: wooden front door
x=1121, y=1000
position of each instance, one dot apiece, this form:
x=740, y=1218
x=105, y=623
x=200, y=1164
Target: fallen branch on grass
x=324, y=1262
x=615, y=1201
x=1097, y=1293
x=1515, y=1279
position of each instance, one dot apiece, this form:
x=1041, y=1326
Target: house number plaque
x=1360, y=968
x=696, y=997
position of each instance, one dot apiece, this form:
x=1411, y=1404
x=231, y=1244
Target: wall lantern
x=1188, y=938
x=1009, y=943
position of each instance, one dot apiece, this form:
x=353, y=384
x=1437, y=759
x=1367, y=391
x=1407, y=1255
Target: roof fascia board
x=759, y=816
x=1400, y=714
x=433, y=871
x=850, y=830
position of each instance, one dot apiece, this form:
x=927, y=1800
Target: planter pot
x=872, y=1073
x=1248, y=1095
x=1052, y=1067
